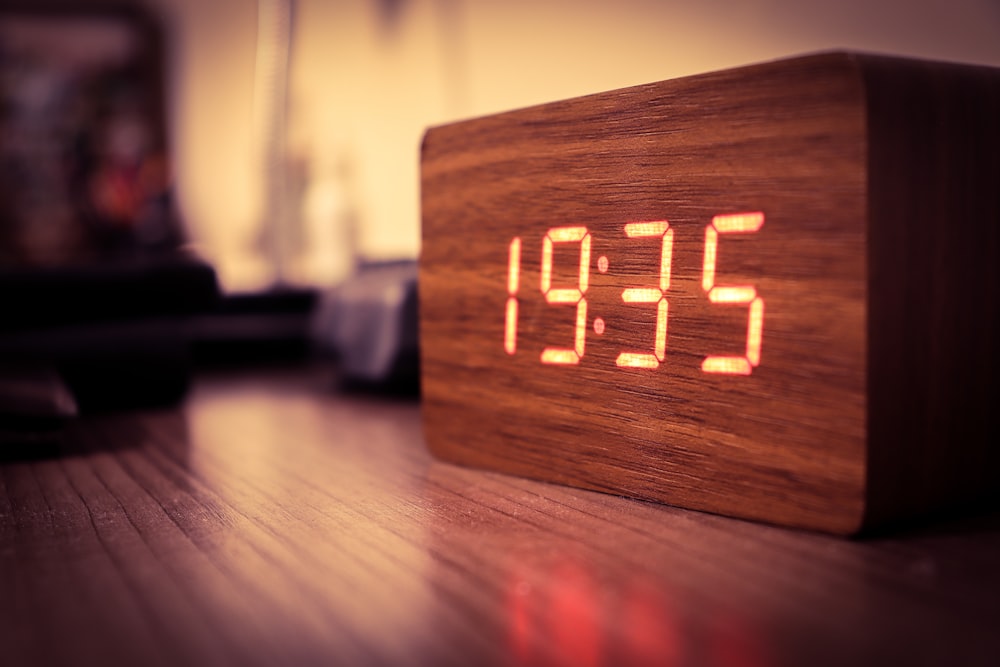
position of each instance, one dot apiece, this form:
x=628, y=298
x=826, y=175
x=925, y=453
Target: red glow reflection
x=521, y=624
x=574, y=621
x=651, y=631
x=559, y=621
x=564, y=614
x=734, y=644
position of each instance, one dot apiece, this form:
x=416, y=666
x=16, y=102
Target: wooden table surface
x=272, y=520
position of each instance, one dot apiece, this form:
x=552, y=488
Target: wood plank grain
x=273, y=521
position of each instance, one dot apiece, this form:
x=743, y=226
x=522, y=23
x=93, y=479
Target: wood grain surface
x=858, y=195
x=273, y=521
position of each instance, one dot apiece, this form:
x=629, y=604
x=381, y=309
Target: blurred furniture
x=369, y=324
x=97, y=287
x=273, y=521
x=119, y=335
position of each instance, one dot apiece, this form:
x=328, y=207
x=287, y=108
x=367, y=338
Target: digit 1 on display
x=513, y=278
x=744, y=295
x=657, y=295
x=571, y=295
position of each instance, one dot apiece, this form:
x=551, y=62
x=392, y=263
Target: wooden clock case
x=880, y=180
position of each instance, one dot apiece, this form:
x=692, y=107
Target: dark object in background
x=39, y=299
x=119, y=334
x=84, y=174
x=254, y=329
x=370, y=324
x=367, y=325
x=34, y=404
x=94, y=286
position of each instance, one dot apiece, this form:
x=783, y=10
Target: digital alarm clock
x=769, y=292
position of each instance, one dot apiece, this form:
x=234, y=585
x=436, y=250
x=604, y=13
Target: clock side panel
x=784, y=444
x=934, y=300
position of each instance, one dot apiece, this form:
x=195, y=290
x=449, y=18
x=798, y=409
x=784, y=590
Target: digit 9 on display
x=769, y=292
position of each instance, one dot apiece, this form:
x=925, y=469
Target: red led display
x=659, y=295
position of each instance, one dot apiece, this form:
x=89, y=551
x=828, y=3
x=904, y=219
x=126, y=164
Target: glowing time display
x=656, y=295
x=765, y=292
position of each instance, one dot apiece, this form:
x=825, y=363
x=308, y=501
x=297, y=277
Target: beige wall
x=364, y=86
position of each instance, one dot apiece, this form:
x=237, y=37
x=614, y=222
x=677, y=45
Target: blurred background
x=181, y=172
x=294, y=125
x=366, y=77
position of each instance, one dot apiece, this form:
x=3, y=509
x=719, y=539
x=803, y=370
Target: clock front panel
x=657, y=292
